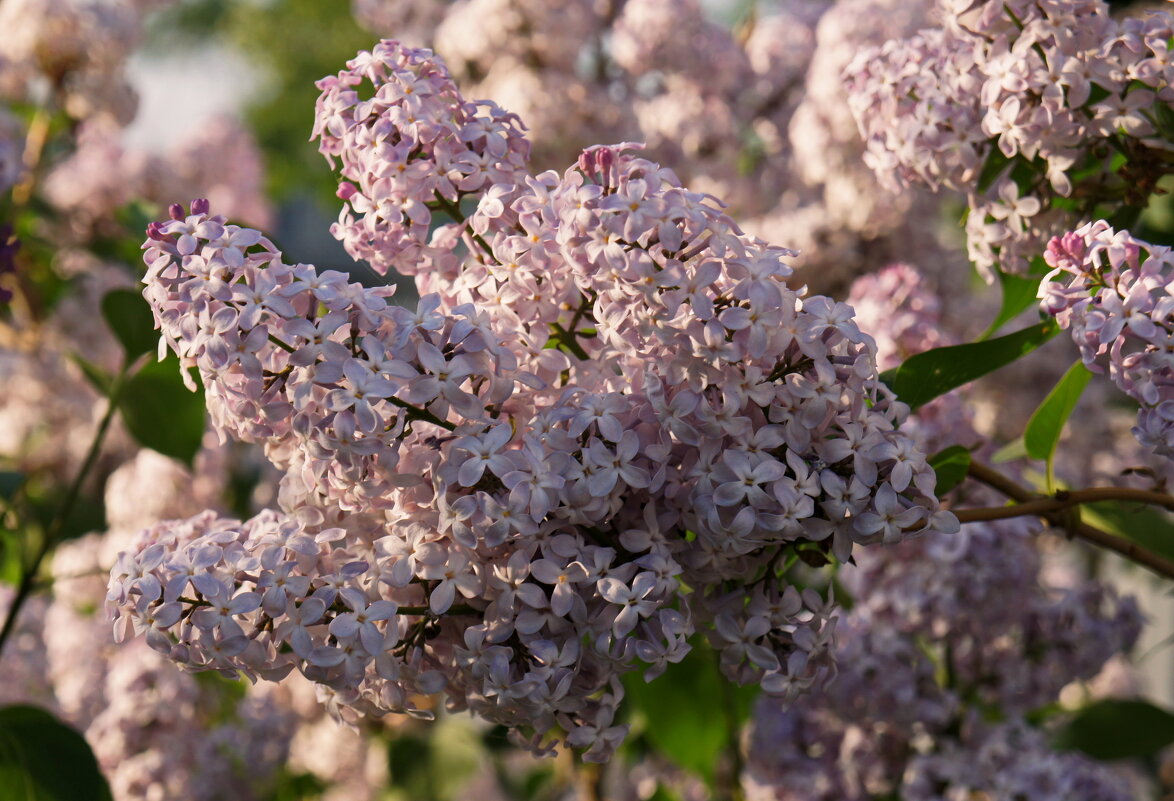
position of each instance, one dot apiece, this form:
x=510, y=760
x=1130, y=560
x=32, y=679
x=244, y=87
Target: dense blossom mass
x=618, y=431
x=1039, y=112
x=606, y=425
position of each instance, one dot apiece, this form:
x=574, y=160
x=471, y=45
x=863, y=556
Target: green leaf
x=42, y=759
x=951, y=466
x=161, y=413
x=693, y=732
x=1047, y=423
x=1019, y=293
x=88, y=514
x=437, y=766
x=290, y=786
x=1148, y=526
x=927, y=375
x=457, y=754
x=1010, y=452
x=664, y=793
x=10, y=483
x=11, y=557
x=99, y=379
x=129, y=317
x=1113, y=729
x=408, y=762
x=221, y=696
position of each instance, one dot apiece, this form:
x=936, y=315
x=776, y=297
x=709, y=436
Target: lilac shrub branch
x=1056, y=511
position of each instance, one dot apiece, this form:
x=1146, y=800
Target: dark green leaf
x=1164, y=117
x=99, y=379
x=951, y=465
x=995, y=163
x=927, y=375
x=129, y=317
x=1148, y=526
x=695, y=732
x=408, y=762
x=438, y=765
x=88, y=514
x=1123, y=216
x=1019, y=293
x=1096, y=93
x=222, y=695
x=1044, y=428
x=664, y=793
x=291, y=786
x=1113, y=729
x=161, y=413
x=42, y=759
x=535, y=781
x=10, y=482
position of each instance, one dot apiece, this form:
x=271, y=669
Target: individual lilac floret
x=1118, y=302
x=409, y=144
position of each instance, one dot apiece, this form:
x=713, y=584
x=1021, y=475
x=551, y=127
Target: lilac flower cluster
x=139, y=714
x=903, y=314
x=604, y=428
x=156, y=732
x=1010, y=760
x=946, y=628
x=1020, y=105
x=413, y=146
x=737, y=113
x=1118, y=302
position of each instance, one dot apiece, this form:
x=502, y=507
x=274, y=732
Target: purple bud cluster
x=605, y=428
x=1118, y=302
x=1013, y=104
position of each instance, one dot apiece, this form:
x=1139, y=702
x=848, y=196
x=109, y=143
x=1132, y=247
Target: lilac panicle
x=605, y=424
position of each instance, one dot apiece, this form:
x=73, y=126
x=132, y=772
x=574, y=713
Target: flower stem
x=52, y=534
x=34, y=146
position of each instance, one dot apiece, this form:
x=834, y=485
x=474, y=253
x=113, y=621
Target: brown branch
x=1055, y=511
